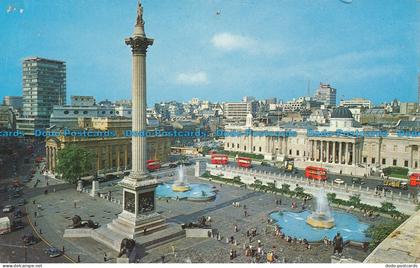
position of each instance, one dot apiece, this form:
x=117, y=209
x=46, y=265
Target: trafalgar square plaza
x=124, y=182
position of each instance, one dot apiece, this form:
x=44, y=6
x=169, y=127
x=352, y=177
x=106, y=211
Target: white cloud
x=235, y=42
x=227, y=41
x=192, y=78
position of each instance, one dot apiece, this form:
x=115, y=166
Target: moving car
x=18, y=224
x=8, y=208
x=173, y=165
x=53, y=252
x=358, y=181
x=17, y=214
x=29, y=239
x=21, y=202
x=339, y=181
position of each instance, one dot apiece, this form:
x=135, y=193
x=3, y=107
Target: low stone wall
x=367, y=195
x=198, y=233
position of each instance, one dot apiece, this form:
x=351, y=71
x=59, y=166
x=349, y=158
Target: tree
x=73, y=162
x=387, y=207
x=258, y=182
x=331, y=197
x=271, y=185
x=285, y=188
x=355, y=200
x=237, y=179
x=379, y=232
x=299, y=191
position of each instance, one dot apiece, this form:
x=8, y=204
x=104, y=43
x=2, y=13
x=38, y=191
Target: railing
x=278, y=179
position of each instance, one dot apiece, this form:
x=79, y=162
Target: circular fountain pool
x=294, y=224
x=196, y=192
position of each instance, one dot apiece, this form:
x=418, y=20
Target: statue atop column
x=139, y=21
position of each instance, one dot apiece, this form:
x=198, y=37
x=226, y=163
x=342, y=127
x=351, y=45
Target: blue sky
x=262, y=48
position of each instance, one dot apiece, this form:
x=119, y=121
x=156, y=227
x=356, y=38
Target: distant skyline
x=220, y=50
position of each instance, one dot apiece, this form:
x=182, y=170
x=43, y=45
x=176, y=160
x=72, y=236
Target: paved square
x=58, y=208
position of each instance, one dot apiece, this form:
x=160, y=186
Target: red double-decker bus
x=244, y=162
x=415, y=179
x=316, y=173
x=219, y=159
x=153, y=164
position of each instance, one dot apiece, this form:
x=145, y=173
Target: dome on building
x=341, y=112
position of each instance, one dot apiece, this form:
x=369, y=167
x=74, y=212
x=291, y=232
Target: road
x=370, y=182
x=12, y=249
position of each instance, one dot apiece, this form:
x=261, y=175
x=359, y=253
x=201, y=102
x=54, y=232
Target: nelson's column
x=139, y=220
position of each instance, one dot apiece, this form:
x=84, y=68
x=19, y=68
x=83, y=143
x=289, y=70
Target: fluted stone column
x=340, y=152
x=334, y=152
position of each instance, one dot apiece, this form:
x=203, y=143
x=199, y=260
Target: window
x=233, y=145
x=117, y=112
x=259, y=149
x=297, y=152
x=237, y=145
x=76, y=112
x=111, y=112
x=416, y=164
x=394, y=162
x=290, y=151
x=227, y=145
x=66, y=112
x=253, y=148
x=244, y=148
x=364, y=159
x=85, y=112
x=383, y=161
x=103, y=112
x=373, y=160
x=406, y=163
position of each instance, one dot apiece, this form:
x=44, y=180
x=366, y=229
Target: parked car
x=53, y=252
x=18, y=224
x=339, y=181
x=173, y=165
x=8, y=208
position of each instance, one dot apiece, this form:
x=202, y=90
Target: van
x=5, y=225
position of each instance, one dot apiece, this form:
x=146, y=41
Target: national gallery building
x=340, y=147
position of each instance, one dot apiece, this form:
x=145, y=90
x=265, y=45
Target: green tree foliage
x=74, y=162
x=331, y=197
x=285, y=188
x=378, y=232
x=355, y=200
x=387, y=207
x=299, y=191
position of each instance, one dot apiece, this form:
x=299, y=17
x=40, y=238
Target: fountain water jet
x=321, y=217
x=180, y=185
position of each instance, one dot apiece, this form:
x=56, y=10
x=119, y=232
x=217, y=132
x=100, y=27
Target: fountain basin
x=294, y=224
x=180, y=188
x=197, y=192
x=320, y=221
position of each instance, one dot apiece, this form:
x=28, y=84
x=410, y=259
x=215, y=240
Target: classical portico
x=342, y=151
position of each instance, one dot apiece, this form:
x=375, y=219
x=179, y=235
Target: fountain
x=321, y=217
x=180, y=185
